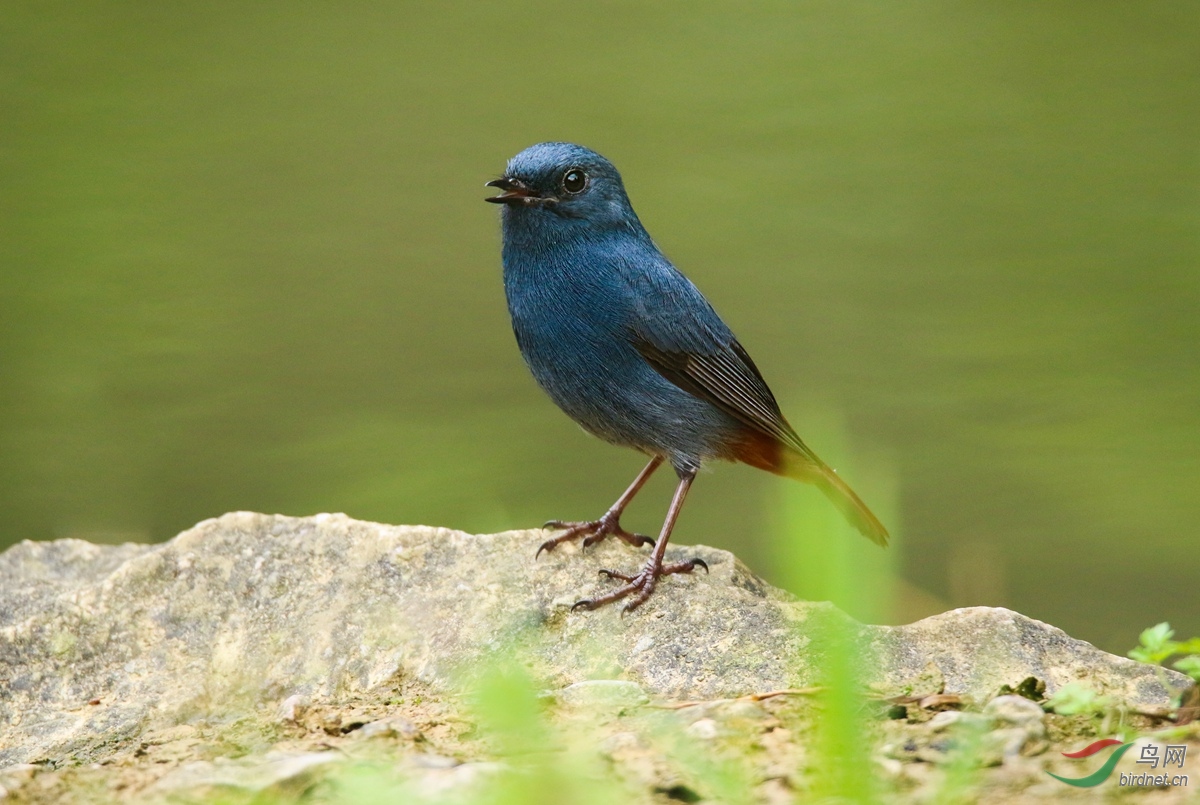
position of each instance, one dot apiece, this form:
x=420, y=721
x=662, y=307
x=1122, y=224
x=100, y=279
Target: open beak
x=514, y=192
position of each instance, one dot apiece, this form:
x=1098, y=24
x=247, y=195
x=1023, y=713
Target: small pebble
x=291, y=709
x=394, y=726
x=961, y=720
x=618, y=741
x=431, y=761
x=745, y=709
x=1015, y=710
x=891, y=767
x=607, y=693
x=19, y=773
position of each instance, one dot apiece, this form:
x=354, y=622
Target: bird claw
x=640, y=586
x=592, y=531
x=684, y=567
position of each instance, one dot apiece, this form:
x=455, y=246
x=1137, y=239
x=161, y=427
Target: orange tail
x=839, y=493
x=769, y=454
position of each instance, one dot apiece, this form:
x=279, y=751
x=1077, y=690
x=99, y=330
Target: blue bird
x=630, y=349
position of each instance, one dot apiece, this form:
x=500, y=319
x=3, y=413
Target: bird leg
x=609, y=523
x=641, y=585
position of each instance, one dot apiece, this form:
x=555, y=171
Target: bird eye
x=574, y=181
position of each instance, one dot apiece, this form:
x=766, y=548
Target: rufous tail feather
x=812, y=470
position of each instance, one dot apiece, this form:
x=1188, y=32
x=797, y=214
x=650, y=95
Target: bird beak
x=515, y=192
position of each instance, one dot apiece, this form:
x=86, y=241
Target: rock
x=291, y=709
x=393, y=727
x=978, y=650
x=607, y=693
x=247, y=610
x=276, y=769
x=428, y=760
x=948, y=718
x=1020, y=727
x=18, y=774
x=433, y=787
x=13, y=778
x=1016, y=711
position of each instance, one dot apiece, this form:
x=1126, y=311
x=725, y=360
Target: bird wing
x=679, y=334
x=729, y=380
x=682, y=337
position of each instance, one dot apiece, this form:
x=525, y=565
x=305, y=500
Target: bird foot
x=592, y=532
x=639, y=586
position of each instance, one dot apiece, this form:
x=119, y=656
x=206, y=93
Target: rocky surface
x=237, y=654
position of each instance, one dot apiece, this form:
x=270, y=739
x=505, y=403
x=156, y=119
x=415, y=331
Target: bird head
x=563, y=181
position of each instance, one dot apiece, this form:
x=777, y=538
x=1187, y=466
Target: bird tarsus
x=642, y=585
x=609, y=524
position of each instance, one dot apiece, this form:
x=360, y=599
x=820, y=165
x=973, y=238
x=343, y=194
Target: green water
x=245, y=264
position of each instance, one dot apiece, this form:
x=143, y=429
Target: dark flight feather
x=729, y=380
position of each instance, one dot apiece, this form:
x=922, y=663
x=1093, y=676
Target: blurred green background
x=245, y=264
